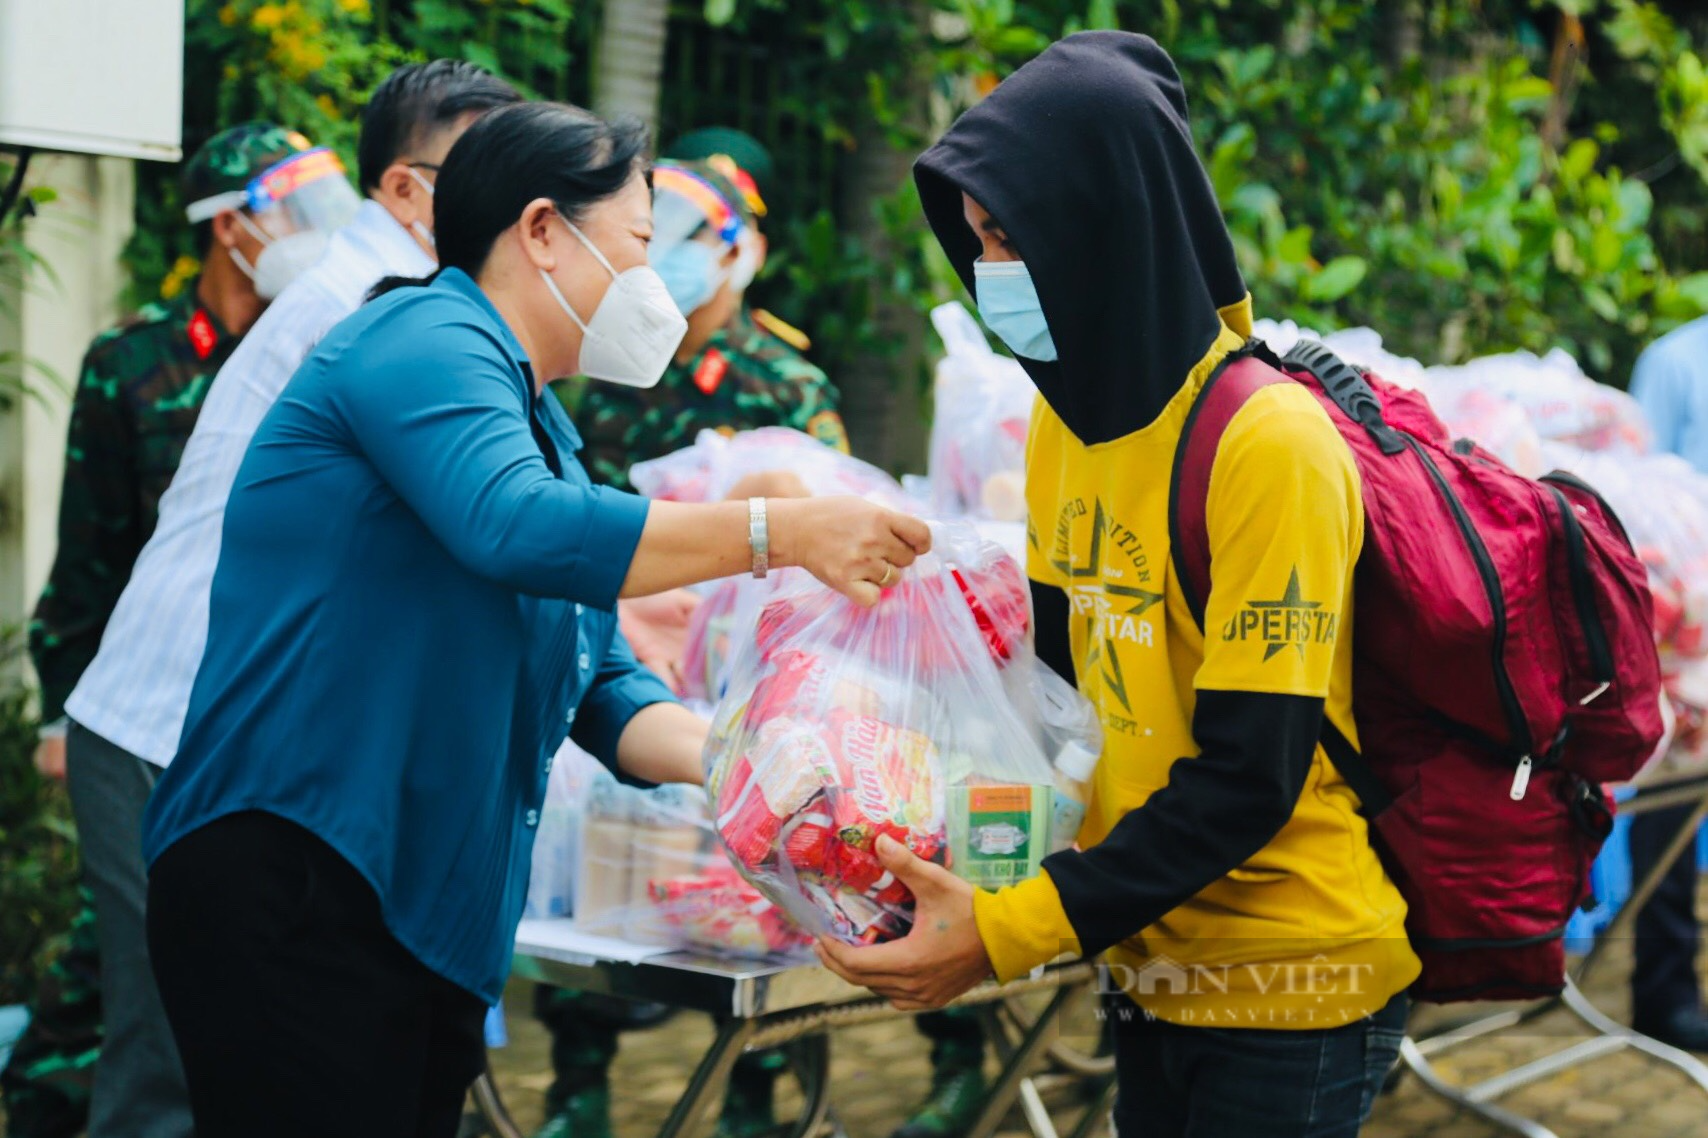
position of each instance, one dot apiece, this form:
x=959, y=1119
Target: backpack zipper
x=1516, y=722
x=1567, y=478
x=1583, y=598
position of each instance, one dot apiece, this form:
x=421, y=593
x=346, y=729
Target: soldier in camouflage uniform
x=737, y=368
x=137, y=397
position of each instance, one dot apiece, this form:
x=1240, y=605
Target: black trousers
x=296, y=1012
x=1663, y=977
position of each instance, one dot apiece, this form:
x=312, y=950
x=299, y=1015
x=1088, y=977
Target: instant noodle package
x=920, y=719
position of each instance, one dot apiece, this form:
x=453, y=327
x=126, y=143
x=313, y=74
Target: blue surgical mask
x=691, y=273
x=1009, y=306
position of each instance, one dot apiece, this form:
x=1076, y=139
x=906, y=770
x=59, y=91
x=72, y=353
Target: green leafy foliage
x=38, y=846
x=21, y=268
x=1378, y=163
x=1384, y=163
x=1420, y=197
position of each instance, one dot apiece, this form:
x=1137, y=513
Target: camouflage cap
x=746, y=152
x=230, y=159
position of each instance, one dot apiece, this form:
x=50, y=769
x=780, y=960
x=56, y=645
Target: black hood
x=1085, y=159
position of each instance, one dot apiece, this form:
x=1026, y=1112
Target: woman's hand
x=941, y=956
x=856, y=547
x=656, y=628
x=769, y=484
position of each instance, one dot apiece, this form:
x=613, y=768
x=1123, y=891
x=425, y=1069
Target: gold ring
x=889, y=571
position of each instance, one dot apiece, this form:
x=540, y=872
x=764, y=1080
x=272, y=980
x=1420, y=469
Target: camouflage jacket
x=746, y=377
x=138, y=394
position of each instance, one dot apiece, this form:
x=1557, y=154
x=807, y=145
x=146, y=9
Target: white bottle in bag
x=1073, y=768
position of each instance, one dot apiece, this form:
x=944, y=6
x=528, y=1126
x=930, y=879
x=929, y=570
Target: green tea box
x=998, y=834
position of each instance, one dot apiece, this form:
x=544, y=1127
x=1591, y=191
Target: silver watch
x=759, y=536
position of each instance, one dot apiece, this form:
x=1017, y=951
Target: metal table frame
x=761, y=1005
x=1607, y=1036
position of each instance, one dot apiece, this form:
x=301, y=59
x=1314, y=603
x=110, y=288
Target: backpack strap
x=1236, y=379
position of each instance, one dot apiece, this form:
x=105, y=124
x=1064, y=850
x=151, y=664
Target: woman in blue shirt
x=413, y=605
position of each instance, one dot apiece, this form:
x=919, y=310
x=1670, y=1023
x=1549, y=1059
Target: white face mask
x=417, y=227
x=282, y=259
x=635, y=330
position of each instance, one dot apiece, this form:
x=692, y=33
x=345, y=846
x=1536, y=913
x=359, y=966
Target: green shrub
x=38, y=846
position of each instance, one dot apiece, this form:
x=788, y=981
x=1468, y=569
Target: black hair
x=415, y=101
x=515, y=155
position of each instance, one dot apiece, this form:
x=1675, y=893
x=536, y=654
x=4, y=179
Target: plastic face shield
x=685, y=204
x=305, y=192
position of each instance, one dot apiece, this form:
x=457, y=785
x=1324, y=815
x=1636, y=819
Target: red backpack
x=1504, y=668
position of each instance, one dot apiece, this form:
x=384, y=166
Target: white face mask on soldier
x=281, y=260
x=635, y=330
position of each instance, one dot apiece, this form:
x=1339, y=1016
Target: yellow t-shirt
x=1309, y=932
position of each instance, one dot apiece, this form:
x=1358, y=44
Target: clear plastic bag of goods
x=1361, y=347
x=1073, y=738
x=919, y=718
x=652, y=873
x=1686, y=689
x=557, y=840
x=705, y=656
x=1663, y=504
x=1562, y=403
x=723, y=620
x=977, y=458
x=709, y=469
x=1493, y=422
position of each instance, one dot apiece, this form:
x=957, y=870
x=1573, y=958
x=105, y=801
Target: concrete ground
x=881, y=1071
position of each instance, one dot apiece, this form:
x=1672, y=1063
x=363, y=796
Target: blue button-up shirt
x=1671, y=382
x=413, y=606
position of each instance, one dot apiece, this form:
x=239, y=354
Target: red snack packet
x=720, y=911
x=745, y=822
x=809, y=839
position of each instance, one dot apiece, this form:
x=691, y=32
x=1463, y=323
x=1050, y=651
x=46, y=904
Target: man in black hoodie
x=1256, y=944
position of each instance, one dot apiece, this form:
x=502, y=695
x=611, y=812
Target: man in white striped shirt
x=128, y=709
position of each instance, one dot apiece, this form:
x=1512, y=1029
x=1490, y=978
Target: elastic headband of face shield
x=305, y=191
x=683, y=203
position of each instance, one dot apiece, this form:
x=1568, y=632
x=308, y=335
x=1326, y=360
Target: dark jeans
x=296, y=1012
x=1211, y=1082
x=1663, y=975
